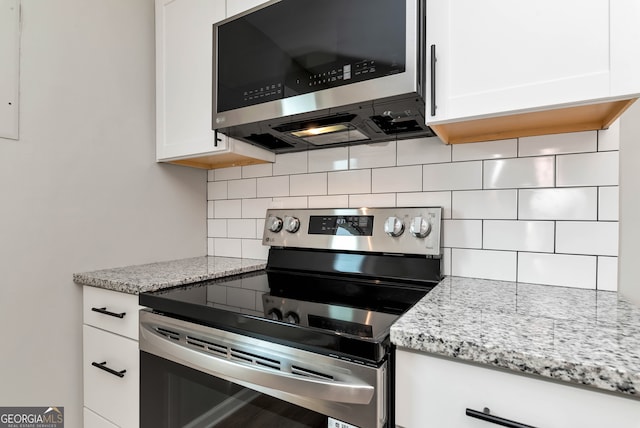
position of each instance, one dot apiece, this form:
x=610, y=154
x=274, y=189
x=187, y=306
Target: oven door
x=197, y=376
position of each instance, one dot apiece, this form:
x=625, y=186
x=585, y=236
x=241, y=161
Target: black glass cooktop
x=346, y=315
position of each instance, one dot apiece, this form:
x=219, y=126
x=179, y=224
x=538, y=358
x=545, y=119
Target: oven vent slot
x=168, y=333
x=254, y=359
x=207, y=346
x=310, y=373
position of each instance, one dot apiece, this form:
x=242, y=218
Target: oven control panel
x=411, y=230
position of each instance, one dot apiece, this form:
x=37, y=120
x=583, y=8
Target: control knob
x=292, y=318
x=274, y=223
x=291, y=224
x=393, y=226
x=274, y=314
x=420, y=227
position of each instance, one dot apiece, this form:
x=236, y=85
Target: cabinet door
x=237, y=6
x=497, y=56
x=93, y=420
x=435, y=392
x=113, y=397
x=183, y=77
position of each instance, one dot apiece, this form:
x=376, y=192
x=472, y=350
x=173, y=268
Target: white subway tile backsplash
x=462, y=233
x=486, y=150
x=609, y=139
x=608, y=202
x=498, y=265
x=238, y=189
x=231, y=173
x=587, y=237
x=535, y=236
x=216, y=190
x=356, y=181
x=607, y=273
x=587, y=169
x=558, y=204
x=372, y=155
x=333, y=201
x=537, y=209
x=253, y=249
x=241, y=228
x=575, y=142
x=445, y=262
x=373, y=200
x=258, y=170
x=426, y=199
x=255, y=208
x=333, y=159
x=398, y=179
x=419, y=151
x=290, y=163
x=557, y=269
x=273, y=186
x=519, y=173
x=225, y=247
x=308, y=184
x=452, y=176
x=485, y=204
x=227, y=209
x=290, y=202
x=217, y=228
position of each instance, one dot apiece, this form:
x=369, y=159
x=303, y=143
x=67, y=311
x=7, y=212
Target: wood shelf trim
x=222, y=160
x=556, y=121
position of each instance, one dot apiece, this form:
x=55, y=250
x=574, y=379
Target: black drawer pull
x=486, y=415
x=103, y=366
x=433, y=80
x=106, y=312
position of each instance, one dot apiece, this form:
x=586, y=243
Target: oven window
x=172, y=395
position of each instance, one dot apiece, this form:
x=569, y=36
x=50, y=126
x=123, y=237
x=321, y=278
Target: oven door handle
x=270, y=381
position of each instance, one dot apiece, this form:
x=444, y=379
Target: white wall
x=537, y=209
x=630, y=203
x=80, y=190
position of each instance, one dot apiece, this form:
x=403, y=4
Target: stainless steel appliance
x=292, y=75
x=304, y=343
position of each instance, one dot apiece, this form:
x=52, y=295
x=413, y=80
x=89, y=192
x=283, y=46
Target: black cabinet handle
x=106, y=312
x=486, y=415
x=433, y=80
x=103, y=366
x=216, y=140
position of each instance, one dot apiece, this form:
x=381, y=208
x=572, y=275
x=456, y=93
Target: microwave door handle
x=252, y=376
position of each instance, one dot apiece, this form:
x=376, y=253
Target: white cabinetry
x=237, y=6
x=184, y=89
x=500, y=58
x=435, y=392
x=111, y=360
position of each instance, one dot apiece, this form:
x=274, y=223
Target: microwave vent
x=268, y=141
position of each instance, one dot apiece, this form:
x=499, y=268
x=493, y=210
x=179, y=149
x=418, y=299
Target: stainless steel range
x=304, y=343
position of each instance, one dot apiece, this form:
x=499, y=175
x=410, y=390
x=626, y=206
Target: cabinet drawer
x=111, y=310
x=435, y=392
x=111, y=396
x=93, y=420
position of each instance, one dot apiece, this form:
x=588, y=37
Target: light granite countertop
x=137, y=279
x=579, y=336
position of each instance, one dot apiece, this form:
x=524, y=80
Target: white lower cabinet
x=435, y=392
x=94, y=420
x=111, y=360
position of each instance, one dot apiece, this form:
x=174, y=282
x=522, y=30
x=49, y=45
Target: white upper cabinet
x=184, y=88
x=236, y=6
x=504, y=57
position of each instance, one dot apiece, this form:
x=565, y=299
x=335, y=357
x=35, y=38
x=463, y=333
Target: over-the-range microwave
x=291, y=75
